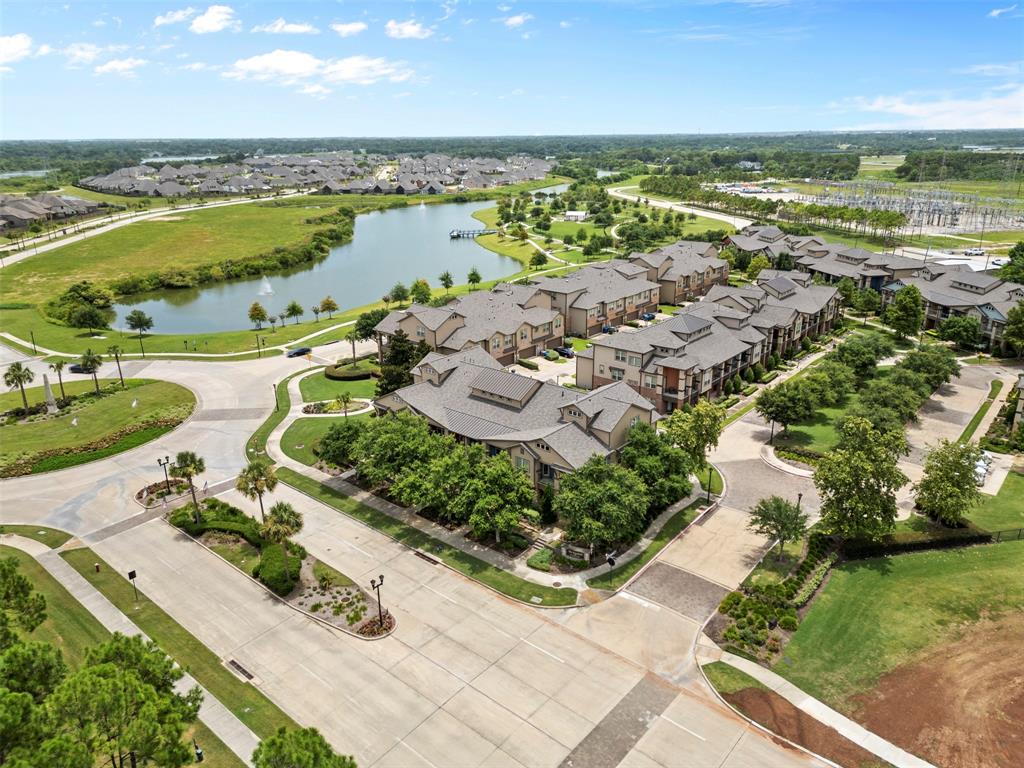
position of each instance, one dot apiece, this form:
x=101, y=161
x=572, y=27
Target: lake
x=388, y=246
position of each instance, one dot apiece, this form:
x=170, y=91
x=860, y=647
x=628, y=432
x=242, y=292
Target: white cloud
x=995, y=13
x=279, y=64
x=349, y=28
x=99, y=23
x=124, y=67
x=517, y=21
x=449, y=9
x=504, y=8
x=281, y=27
x=81, y=53
x=988, y=110
x=216, y=19
x=44, y=50
x=364, y=70
x=565, y=24
x=315, y=90
x=290, y=67
x=404, y=30
x=174, y=17
x=14, y=47
x=195, y=66
x=1009, y=69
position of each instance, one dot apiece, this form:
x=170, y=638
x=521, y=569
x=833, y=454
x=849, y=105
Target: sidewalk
x=822, y=713
x=229, y=729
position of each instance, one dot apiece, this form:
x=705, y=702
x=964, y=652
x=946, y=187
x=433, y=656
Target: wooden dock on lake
x=457, y=233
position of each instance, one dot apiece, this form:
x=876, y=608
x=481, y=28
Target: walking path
x=218, y=718
x=735, y=221
x=816, y=709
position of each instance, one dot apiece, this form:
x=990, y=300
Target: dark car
x=298, y=352
x=608, y=329
x=565, y=351
x=79, y=368
x=648, y=316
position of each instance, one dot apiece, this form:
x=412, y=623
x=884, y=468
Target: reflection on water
x=388, y=246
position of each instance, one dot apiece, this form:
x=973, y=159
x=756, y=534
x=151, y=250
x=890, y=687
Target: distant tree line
x=968, y=166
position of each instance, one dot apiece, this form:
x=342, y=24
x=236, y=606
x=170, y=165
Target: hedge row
x=914, y=541
x=528, y=364
x=346, y=373
x=278, y=569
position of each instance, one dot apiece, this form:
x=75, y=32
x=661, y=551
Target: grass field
x=302, y=435
x=36, y=394
x=727, y=679
x=246, y=702
x=51, y=537
x=499, y=580
x=314, y=388
x=96, y=420
x=257, y=444
x=70, y=627
x=875, y=615
x=1004, y=511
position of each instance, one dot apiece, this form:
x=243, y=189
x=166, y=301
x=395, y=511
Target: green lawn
x=257, y=444
x=96, y=420
x=875, y=615
x=302, y=436
x=319, y=387
x=616, y=578
x=51, y=537
x=579, y=344
x=247, y=703
x=70, y=627
x=499, y=580
x=717, y=483
x=726, y=679
x=775, y=568
x=1004, y=511
x=12, y=398
x=240, y=553
x=995, y=386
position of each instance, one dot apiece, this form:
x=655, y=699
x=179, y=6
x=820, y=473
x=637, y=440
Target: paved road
x=632, y=193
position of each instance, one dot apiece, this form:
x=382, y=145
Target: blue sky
x=167, y=68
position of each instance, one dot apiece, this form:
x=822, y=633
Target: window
x=541, y=446
x=634, y=421
x=508, y=341
x=592, y=312
x=573, y=412
x=523, y=335
x=650, y=380
x=522, y=463
x=600, y=369
x=421, y=332
x=620, y=355
x=617, y=374
x=558, y=322
x=635, y=360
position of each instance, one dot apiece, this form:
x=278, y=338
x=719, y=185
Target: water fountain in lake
x=265, y=289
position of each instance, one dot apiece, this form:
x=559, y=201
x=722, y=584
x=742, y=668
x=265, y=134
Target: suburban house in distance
x=955, y=289
x=866, y=268
x=768, y=241
x=610, y=293
x=508, y=321
x=546, y=430
x=694, y=353
x=683, y=270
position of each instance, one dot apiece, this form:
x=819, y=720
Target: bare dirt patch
x=779, y=716
x=961, y=705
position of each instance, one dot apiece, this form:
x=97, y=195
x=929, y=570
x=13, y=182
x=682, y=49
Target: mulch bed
x=779, y=716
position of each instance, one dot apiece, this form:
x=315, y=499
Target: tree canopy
x=602, y=504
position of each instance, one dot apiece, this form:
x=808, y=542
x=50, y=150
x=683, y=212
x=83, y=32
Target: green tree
x=330, y=306
x=420, y=291
x=848, y=290
x=473, y=278
x=399, y=292
x=1013, y=270
x=116, y=351
x=283, y=522
x=905, y=312
x=57, y=366
x=399, y=358
x=137, y=320
x=961, y=330
x=496, y=497
x=830, y=382
x=947, y=490
x=303, y=748
x=663, y=468
x=858, y=480
x=936, y=363
x=755, y=266
x=335, y=446
x=602, y=504
x=787, y=403
x=18, y=375
x=188, y=466
x=539, y=259
x=442, y=482
x=294, y=309
x=779, y=519
x=345, y=401
x=446, y=280
x=257, y=314
x=92, y=363
x=367, y=321
x=86, y=316
x=315, y=309
x=1013, y=331
x=256, y=479
x=867, y=302
x=34, y=668
x=696, y=431
x=390, y=446
x=21, y=607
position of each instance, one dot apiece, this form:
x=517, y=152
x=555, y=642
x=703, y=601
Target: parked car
x=79, y=368
x=566, y=352
x=298, y=352
x=648, y=316
x=608, y=329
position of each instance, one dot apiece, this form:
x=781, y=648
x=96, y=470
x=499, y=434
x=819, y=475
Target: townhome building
x=606, y=294
x=832, y=262
x=683, y=270
x=546, y=430
x=696, y=351
x=509, y=322
x=949, y=290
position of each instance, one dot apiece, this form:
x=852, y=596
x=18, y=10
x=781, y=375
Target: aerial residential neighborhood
x=519, y=385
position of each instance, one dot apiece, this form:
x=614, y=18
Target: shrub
x=771, y=376
x=540, y=560
x=528, y=364
x=345, y=372
x=278, y=570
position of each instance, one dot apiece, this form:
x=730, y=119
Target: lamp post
x=376, y=585
x=799, y=498
x=711, y=469
x=277, y=403
x=164, y=463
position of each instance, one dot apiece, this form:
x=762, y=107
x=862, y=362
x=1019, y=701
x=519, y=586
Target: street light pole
x=164, y=463
x=799, y=498
x=710, y=470
x=376, y=585
x=277, y=403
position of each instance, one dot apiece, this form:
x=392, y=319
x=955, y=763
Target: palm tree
x=283, y=521
x=352, y=336
x=345, y=400
x=58, y=368
x=91, y=362
x=256, y=479
x=17, y=375
x=188, y=465
x=116, y=351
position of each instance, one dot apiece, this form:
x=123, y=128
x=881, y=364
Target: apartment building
x=606, y=294
x=684, y=270
x=832, y=262
x=545, y=429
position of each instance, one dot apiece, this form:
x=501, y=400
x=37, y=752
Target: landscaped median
x=257, y=444
x=472, y=567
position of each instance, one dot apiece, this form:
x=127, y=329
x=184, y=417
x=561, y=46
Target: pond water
x=388, y=246
x=35, y=174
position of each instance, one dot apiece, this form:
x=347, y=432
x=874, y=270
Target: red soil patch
x=779, y=716
x=960, y=706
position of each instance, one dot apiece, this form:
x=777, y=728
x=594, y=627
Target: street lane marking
x=549, y=653
x=421, y=757
x=442, y=594
x=682, y=727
